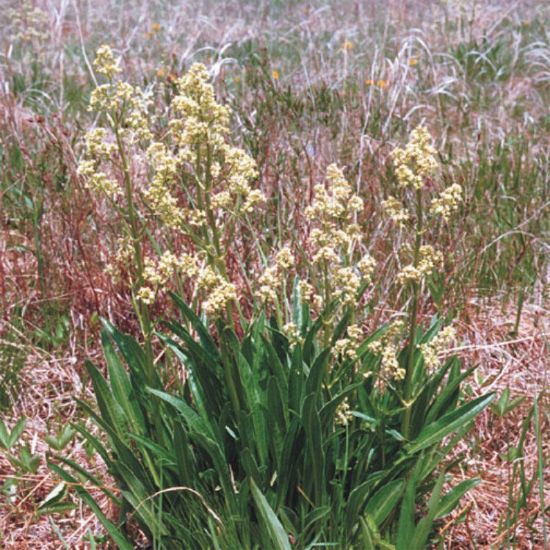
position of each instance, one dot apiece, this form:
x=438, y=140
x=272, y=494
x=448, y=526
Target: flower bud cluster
x=157, y=273
x=196, y=182
x=348, y=346
x=96, y=180
x=159, y=195
x=413, y=166
x=387, y=349
x=428, y=261
x=395, y=210
x=343, y=413
x=448, y=202
x=218, y=291
x=292, y=332
x=334, y=234
x=199, y=128
x=432, y=350
x=417, y=162
x=121, y=102
x=204, y=122
x=270, y=282
x=105, y=63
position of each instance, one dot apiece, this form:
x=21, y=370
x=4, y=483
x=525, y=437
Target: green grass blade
x=447, y=424
x=270, y=520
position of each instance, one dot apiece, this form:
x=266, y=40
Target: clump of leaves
x=269, y=443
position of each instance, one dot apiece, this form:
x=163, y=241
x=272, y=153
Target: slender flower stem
x=327, y=293
x=141, y=309
x=405, y=428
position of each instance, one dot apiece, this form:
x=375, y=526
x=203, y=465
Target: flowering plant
x=290, y=429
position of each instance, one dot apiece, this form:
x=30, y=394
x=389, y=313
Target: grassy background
x=309, y=83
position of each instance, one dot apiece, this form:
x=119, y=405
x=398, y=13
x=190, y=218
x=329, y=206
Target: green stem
x=141, y=309
x=327, y=293
x=405, y=428
x=217, y=260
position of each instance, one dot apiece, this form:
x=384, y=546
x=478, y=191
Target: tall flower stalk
x=198, y=187
x=415, y=167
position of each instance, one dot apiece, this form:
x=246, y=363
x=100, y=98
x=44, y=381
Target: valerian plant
x=291, y=429
x=197, y=187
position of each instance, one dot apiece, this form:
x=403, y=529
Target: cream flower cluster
x=348, y=346
x=387, y=349
x=429, y=260
x=270, y=282
x=448, y=201
x=199, y=128
x=157, y=273
x=200, y=120
x=219, y=292
x=334, y=234
x=128, y=104
x=417, y=162
x=159, y=196
x=395, y=210
x=414, y=165
x=216, y=290
x=195, y=182
x=121, y=102
x=105, y=62
x=292, y=332
x=331, y=241
x=98, y=151
x=343, y=414
x=432, y=350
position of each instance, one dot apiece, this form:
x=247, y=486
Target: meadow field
x=274, y=274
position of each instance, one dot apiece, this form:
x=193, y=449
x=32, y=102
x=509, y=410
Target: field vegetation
x=275, y=274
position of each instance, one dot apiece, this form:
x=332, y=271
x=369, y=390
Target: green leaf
x=405, y=527
x=368, y=543
x=451, y=499
x=4, y=435
x=111, y=412
x=121, y=387
x=425, y=525
x=290, y=458
x=381, y=504
x=317, y=372
x=117, y=536
x=312, y=428
x=447, y=424
x=54, y=496
x=270, y=520
x=447, y=397
x=205, y=338
x=16, y=432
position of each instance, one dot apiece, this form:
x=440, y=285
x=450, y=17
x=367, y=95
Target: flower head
x=105, y=62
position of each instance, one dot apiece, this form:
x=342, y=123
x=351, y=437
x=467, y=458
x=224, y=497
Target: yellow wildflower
x=105, y=63
x=417, y=161
x=447, y=202
x=432, y=350
x=146, y=295
x=395, y=210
